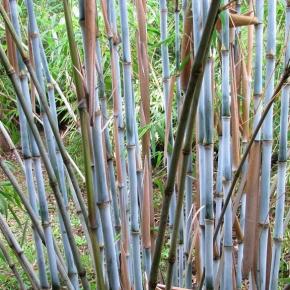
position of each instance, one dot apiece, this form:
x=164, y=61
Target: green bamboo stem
x=52, y=178
x=12, y=266
x=196, y=74
x=197, y=13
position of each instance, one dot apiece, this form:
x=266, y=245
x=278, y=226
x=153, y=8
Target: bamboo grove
x=223, y=214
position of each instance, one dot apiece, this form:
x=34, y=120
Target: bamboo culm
x=208, y=166
x=226, y=147
x=282, y=167
x=131, y=147
x=119, y=137
x=267, y=137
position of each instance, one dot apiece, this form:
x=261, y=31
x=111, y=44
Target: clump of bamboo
x=189, y=101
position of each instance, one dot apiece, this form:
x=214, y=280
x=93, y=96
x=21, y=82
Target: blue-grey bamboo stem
x=197, y=27
x=51, y=144
x=281, y=188
x=110, y=160
x=165, y=80
x=258, y=77
x=26, y=150
x=103, y=201
x=226, y=144
x=208, y=166
x=131, y=146
x=267, y=139
x=18, y=251
x=119, y=136
x=282, y=167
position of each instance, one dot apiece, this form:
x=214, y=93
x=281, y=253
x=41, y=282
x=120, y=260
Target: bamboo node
x=50, y=86
x=264, y=225
x=172, y=259
x=270, y=55
x=135, y=232
x=130, y=146
x=22, y=74
x=166, y=79
x=219, y=194
x=45, y=224
x=33, y=34
x=278, y=240
x=126, y=62
x=103, y=204
x=209, y=221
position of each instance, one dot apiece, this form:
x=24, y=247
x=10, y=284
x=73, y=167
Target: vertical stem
x=282, y=167
x=165, y=81
x=267, y=138
x=226, y=145
x=131, y=145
